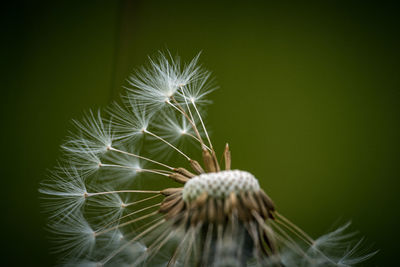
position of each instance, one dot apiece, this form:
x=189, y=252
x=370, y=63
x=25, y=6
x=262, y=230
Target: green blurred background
x=308, y=100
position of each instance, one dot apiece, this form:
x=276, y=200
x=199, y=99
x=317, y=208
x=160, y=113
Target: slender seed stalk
x=122, y=191
x=135, y=168
x=139, y=157
x=168, y=143
x=131, y=241
x=197, y=139
x=187, y=105
x=295, y=227
x=294, y=232
x=192, y=119
x=154, y=171
x=128, y=215
x=142, y=200
x=179, y=107
x=131, y=221
x=202, y=123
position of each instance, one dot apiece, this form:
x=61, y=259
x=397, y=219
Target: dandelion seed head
x=100, y=214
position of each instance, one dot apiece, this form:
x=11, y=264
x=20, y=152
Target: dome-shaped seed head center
x=220, y=184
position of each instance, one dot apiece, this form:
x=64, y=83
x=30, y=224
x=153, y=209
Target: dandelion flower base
x=220, y=184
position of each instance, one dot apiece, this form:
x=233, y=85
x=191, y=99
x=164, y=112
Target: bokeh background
x=308, y=100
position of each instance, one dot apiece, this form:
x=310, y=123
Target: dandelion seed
x=93, y=136
x=173, y=127
x=198, y=90
x=106, y=208
x=74, y=236
x=129, y=121
x=210, y=215
x=65, y=192
x=155, y=85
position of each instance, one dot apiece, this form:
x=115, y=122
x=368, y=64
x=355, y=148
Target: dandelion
x=100, y=214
